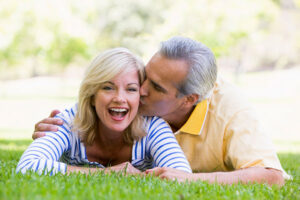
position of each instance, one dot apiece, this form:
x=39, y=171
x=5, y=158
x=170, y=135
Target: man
x=217, y=130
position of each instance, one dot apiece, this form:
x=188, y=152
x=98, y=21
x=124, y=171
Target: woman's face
x=117, y=101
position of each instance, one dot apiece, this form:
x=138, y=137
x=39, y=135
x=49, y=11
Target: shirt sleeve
x=43, y=154
x=247, y=145
x=164, y=148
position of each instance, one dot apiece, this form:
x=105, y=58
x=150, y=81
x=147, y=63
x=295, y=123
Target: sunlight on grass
x=118, y=186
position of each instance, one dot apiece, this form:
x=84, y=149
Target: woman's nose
x=119, y=97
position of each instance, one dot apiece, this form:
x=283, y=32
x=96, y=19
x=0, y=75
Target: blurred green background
x=46, y=45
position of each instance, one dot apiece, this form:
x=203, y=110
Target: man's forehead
x=162, y=69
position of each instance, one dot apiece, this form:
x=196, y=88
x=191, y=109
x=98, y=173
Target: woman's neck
x=108, y=139
x=109, y=148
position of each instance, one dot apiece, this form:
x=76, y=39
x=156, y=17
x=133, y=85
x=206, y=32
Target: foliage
x=118, y=186
x=38, y=35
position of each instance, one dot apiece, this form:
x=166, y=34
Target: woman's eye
x=132, y=89
x=107, y=88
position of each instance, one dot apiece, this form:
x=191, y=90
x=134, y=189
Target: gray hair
x=202, y=72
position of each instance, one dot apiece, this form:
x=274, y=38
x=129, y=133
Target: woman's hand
x=125, y=167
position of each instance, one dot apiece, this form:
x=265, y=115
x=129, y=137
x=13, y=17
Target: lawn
x=119, y=186
x=275, y=96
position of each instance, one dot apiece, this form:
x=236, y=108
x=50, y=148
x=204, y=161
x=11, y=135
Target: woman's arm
x=164, y=147
x=43, y=154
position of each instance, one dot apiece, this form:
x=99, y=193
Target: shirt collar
x=195, y=123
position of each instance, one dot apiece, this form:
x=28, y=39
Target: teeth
x=118, y=109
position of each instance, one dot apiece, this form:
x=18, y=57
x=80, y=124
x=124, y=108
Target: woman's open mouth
x=118, y=113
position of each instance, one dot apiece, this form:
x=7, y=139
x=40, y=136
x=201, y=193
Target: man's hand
x=170, y=174
x=126, y=167
x=47, y=124
x=245, y=176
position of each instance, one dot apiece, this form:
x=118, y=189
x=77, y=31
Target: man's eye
x=157, y=88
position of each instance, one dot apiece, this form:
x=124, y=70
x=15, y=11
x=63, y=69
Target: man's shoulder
x=227, y=98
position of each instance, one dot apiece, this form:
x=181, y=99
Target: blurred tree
x=40, y=34
x=23, y=45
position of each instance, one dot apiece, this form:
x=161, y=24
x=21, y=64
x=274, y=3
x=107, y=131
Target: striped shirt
x=52, y=153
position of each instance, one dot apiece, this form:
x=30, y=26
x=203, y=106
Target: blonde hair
x=103, y=68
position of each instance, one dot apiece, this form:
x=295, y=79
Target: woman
x=104, y=129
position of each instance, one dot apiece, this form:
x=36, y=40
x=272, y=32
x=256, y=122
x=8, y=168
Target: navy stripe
x=40, y=153
x=168, y=149
x=57, y=156
x=57, y=116
x=62, y=150
x=181, y=166
x=157, y=150
x=42, y=143
x=68, y=112
x=72, y=112
x=168, y=159
x=60, y=139
x=67, y=138
x=154, y=140
x=20, y=164
x=174, y=163
x=37, y=166
x=65, y=128
x=79, y=146
x=51, y=172
x=30, y=166
x=157, y=130
x=161, y=140
x=39, y=147
x=136, y=146
x=45, y=167
x=142, y=148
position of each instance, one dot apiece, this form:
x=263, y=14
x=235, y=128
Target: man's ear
x=191, y=99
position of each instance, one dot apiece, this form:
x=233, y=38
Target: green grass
x=118, y=186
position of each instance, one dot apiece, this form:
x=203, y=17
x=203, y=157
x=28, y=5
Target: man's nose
x=144, y=88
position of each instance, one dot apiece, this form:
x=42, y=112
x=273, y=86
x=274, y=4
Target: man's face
x=159, y=91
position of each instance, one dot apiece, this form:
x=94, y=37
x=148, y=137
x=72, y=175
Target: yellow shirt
x=223, y=134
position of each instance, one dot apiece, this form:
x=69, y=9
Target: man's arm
x=47, y=124
x=248, y=175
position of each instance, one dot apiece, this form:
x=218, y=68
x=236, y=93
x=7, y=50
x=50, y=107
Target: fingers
x=37, y=135
x=157, y=171
x=48, y=124
x=53, y=113
x=42, y=127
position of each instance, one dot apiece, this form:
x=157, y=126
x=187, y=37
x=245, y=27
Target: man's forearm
x=249, y=175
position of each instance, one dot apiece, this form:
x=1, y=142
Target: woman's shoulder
x=153, y=120
x=154, y=124
x=68, y=114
